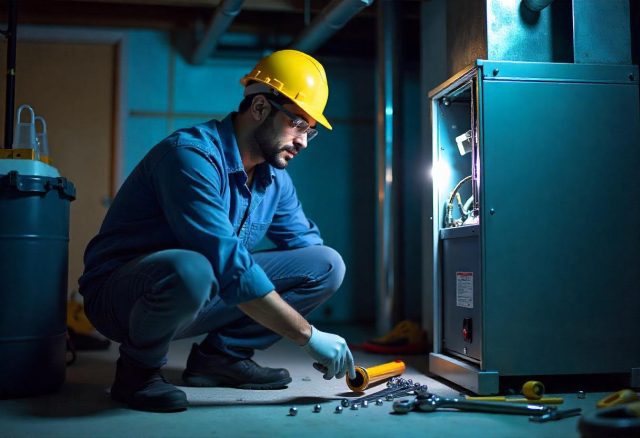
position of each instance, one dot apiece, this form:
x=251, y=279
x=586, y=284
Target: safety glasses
x=297, y=122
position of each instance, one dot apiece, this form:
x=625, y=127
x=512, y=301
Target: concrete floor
x=82, y=408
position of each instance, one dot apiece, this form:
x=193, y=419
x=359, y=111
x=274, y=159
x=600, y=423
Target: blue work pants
x=173, y=294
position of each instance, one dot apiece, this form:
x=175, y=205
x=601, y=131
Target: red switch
x=467, y=332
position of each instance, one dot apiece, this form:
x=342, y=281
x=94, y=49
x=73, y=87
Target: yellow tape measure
x=533, y=390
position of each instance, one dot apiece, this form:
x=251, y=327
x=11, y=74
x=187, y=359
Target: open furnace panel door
x=457, y=179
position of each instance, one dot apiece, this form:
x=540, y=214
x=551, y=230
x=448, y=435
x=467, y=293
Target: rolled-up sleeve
x=290, y=228
x=188, y=186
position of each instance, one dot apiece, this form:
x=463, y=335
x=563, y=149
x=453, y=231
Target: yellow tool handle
x=617, y=398
x=501, y=398
x=367, y=376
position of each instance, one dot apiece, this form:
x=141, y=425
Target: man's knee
x=195, y=279
x=335, y=268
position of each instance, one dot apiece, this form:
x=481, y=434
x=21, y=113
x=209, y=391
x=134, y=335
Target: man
x=173, y=256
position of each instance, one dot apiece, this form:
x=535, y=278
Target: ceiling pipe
x=331, y=19
x=225, y=13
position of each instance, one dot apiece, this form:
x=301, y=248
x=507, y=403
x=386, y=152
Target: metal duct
x=536, y=5
x=331, y=19
x=601, y=31
x=508, y=30
x=220, y=22
x=387, y=136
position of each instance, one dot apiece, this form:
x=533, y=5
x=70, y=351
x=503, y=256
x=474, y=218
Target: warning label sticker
x=464, y=289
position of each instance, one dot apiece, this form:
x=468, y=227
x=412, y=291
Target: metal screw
x=581, y=394
x=389, y=397
x=293, y=412
x=317, y=408
x=355, y=406
x=365, y=404
x=379, y=402
x=338, y=409
x=492, y=211
x=345, y=403
x=495, y=72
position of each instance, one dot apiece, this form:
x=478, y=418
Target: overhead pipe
x=331, y=19
x=225, y=13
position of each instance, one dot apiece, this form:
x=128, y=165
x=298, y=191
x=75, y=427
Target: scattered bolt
x=581, y=394
x=293, y=412
x=345, y=403
x=355, y=406
x=338, y=409
x=379, y=402
x=389, y=397
x=365, y=404
x=317, y=408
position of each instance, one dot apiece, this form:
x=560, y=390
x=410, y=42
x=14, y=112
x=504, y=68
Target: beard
x=268, y=143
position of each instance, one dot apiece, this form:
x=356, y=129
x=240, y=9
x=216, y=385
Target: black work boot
x=146, y=389
x=222, y=370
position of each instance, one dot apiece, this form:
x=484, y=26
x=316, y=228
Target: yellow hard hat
x=296, y=75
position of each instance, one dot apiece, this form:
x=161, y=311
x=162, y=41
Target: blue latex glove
x=330, y=351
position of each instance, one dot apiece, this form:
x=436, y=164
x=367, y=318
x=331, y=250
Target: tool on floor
x=621, y=397
x=396, y=387
x=617, y=421
x=431, y=402
x=371, y=375
x=555, y=414
x=502, y=398
x=532, y=390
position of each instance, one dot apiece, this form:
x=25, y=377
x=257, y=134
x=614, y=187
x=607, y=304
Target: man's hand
x=331, y=351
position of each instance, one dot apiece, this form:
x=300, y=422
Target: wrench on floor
x=429, y=403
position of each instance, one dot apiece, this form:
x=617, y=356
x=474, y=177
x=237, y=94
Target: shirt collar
x=264, y=171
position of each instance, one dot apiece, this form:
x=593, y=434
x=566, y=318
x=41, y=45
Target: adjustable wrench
x=429, y=403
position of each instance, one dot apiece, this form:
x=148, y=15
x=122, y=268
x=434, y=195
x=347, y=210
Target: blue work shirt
x=190, y=192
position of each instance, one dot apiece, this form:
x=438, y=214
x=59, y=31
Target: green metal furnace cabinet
x=536, y=222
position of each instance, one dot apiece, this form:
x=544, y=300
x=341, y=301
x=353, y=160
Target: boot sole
x=203, y=381
x=149, y=408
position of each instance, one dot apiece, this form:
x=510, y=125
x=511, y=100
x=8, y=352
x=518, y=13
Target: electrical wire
x=449, y=222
